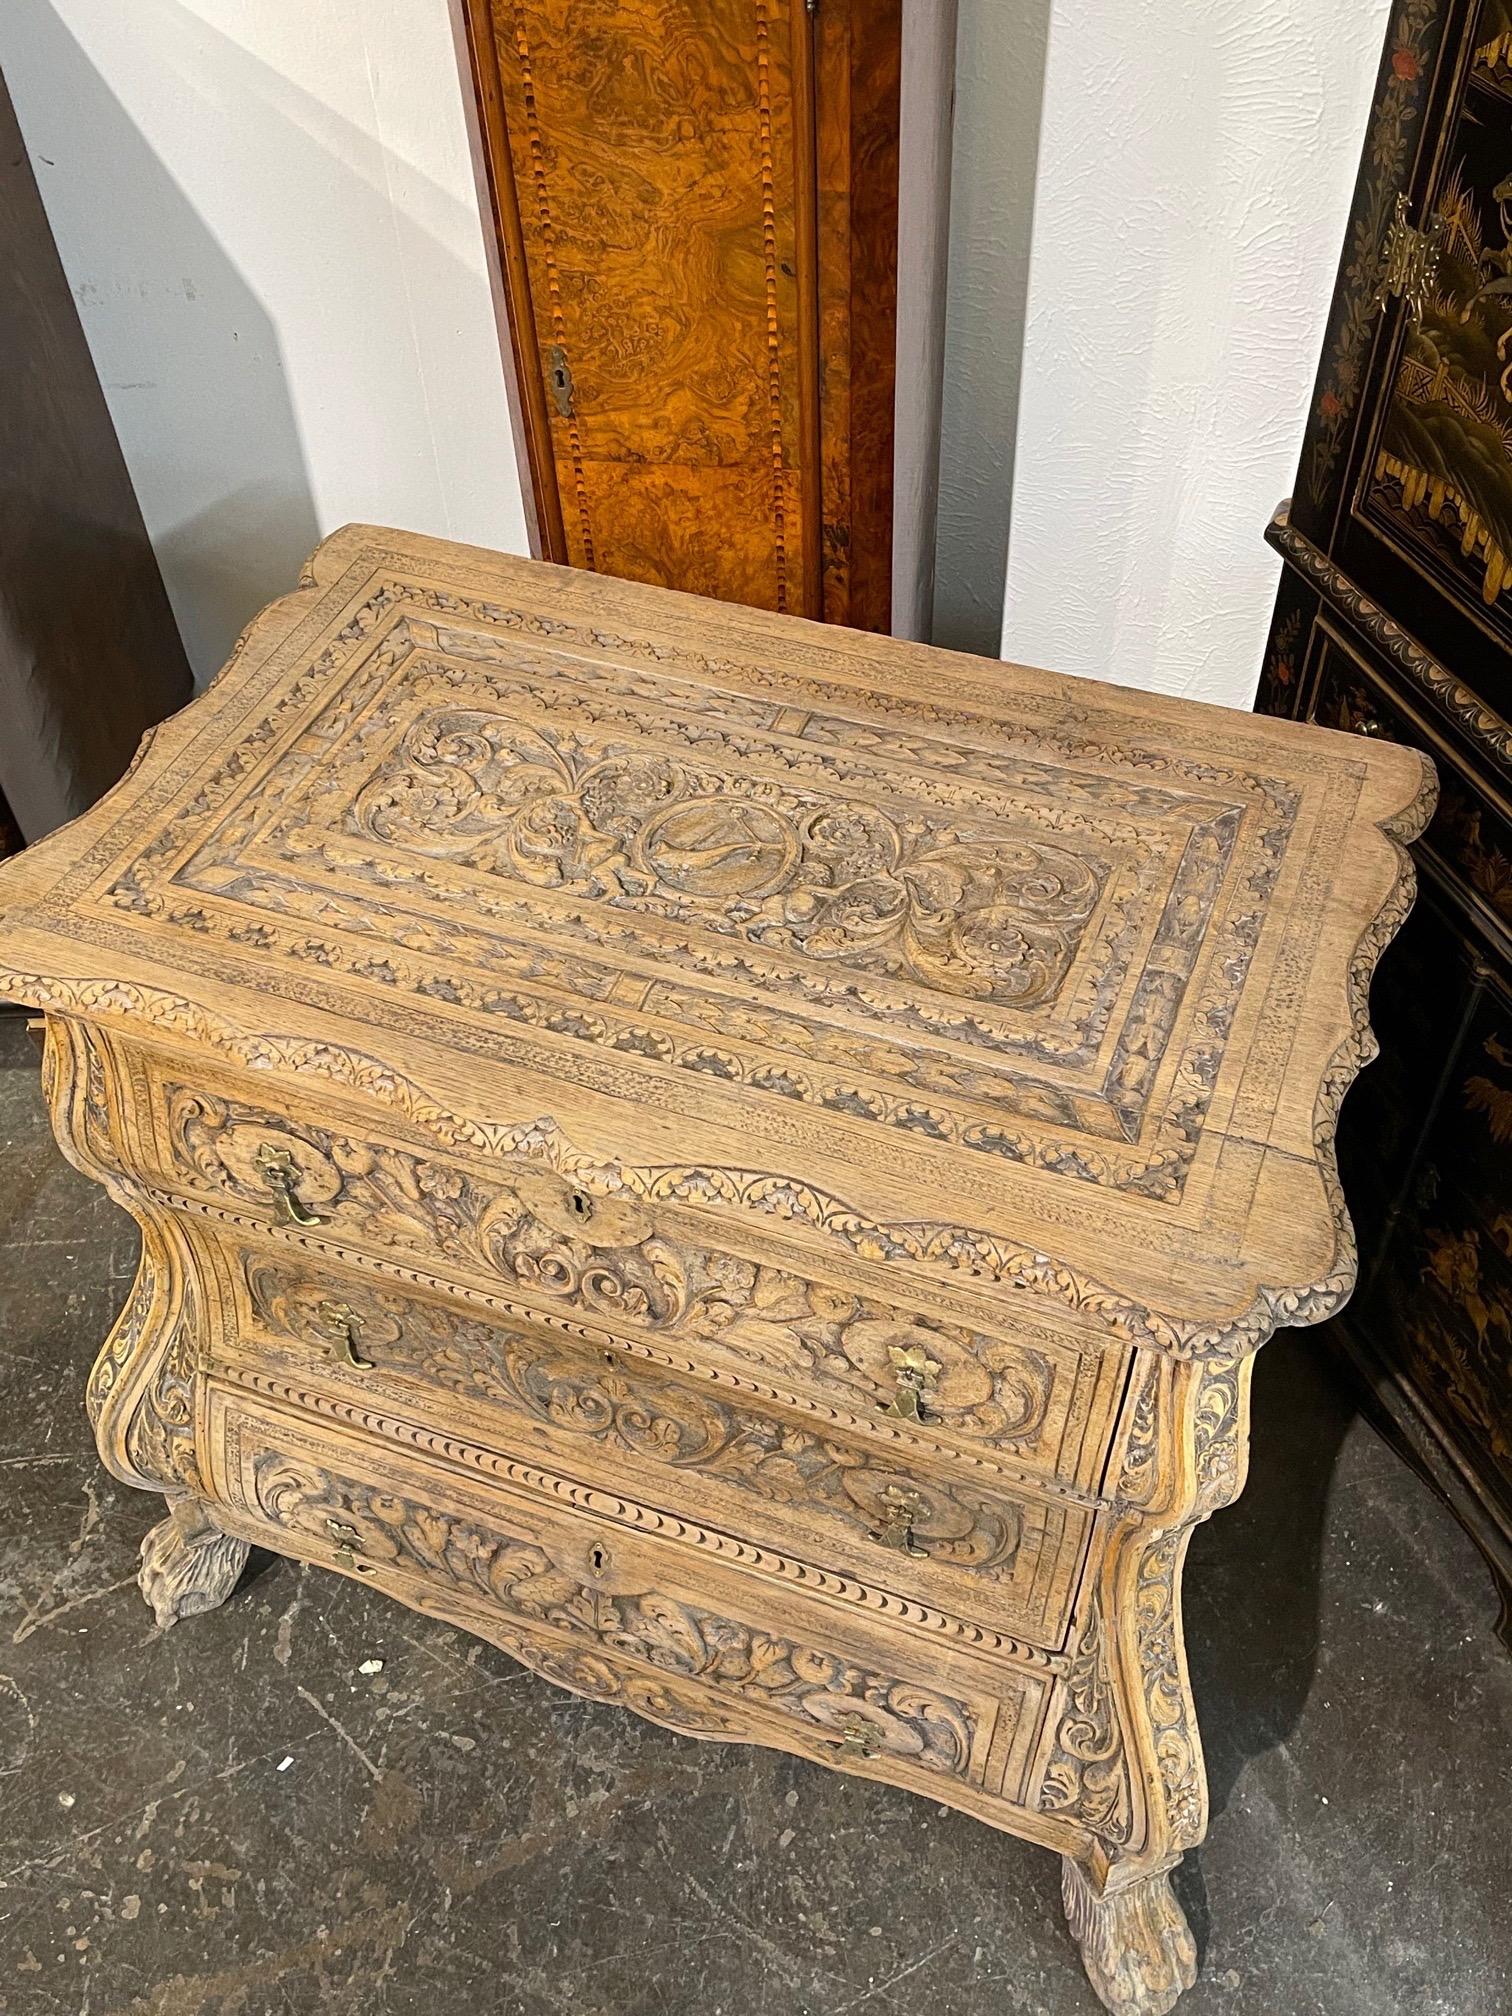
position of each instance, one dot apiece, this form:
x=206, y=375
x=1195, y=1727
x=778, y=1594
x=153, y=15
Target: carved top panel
x=982, y=949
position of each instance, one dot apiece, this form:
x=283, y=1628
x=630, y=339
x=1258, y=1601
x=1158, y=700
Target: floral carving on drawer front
x=612, y=1266
x=389, y=1530
x=599, y=1254
x=990, y=916
x=649, y=1415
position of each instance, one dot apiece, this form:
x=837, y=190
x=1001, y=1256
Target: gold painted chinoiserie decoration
x=1394, y=620
x=743, y=1164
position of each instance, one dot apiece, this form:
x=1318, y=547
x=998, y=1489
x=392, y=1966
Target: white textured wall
x=1195, y=167
x=1000, y=68
x=267, y=211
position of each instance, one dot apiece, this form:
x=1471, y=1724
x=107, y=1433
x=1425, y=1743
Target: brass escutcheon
x=346, y=1538
x=899, y=1511
x=281, y=1174
x=858, y=1738
x=343, y=1325
x=915, y=1373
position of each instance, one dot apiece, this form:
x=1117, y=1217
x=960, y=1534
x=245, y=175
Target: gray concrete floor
x=230, y=1819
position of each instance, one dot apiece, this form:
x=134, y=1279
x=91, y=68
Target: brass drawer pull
x=915, y=1373
x=281, y=1174
x=858, y=1738
x=346, y=1538
x=343, y=1325
x=899, y=1511
x=1371, y=725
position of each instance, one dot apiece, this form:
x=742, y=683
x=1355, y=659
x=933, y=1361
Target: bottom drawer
x=607, y=1616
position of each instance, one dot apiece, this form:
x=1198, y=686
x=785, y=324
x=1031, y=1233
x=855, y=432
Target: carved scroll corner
x=140, y=1392
x=1087, y=1779
x=1411, y=822
x=1315, y=1301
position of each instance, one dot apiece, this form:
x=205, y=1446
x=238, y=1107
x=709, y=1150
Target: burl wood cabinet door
x=665, y=185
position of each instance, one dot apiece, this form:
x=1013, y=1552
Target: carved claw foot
x=1135, y=1943
x=188, y=1564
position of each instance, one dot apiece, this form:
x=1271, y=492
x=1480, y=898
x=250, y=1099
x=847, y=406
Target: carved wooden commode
x=745, y=1164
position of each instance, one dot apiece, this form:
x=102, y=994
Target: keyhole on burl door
x=559, y=374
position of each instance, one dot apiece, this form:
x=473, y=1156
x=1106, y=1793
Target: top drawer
x=525, y=1241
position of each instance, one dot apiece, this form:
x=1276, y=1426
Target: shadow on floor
x=1252, y=1593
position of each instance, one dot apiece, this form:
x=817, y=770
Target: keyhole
x=598, y=1558
x=582, y=1207
x=559, y=378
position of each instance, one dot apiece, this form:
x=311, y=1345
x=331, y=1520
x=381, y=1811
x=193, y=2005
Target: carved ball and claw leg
x=1135, y=1943
x=188, y=1564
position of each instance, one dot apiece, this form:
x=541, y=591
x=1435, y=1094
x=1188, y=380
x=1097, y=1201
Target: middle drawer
x=684, y=1445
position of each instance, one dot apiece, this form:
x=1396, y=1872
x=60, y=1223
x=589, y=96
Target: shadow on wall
x=376, y=392
x=1001, y=54
x=218, y=397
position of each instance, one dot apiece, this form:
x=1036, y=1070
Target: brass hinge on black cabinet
x=1409, y=263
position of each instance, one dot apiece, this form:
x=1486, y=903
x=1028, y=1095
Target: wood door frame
x=858, y=50
x=509, y=275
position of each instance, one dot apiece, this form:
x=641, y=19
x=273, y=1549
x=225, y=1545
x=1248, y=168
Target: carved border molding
x=1158, y=1169
x=1448, y=696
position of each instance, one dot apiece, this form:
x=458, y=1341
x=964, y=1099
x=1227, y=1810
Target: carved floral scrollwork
x=120, y=1346
x=613, y=1266
x=1218, y=1444
x=1141, y=1460
x=914, y=1724
x=603, y=1257
x=930, y=1244
x=160, y=1433
x=651, y=1416
x=155, y=1441
x=990, y=917
x=1178, y=1750
x=1087, y=1776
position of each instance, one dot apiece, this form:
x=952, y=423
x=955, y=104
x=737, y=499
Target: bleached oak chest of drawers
x=745, y=1164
